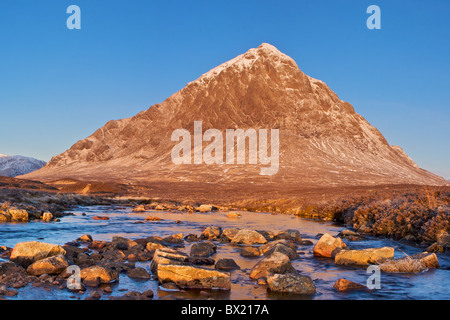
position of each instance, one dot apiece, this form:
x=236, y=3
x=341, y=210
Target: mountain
x=322, y=140
x=12, y=166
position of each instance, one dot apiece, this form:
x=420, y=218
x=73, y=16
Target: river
x=432, y=284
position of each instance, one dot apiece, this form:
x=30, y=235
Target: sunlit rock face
x=322, y=140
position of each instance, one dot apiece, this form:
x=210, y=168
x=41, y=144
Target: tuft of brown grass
x=429, y=197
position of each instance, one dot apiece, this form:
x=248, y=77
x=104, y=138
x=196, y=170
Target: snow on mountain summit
x=12, y=166
x=323, y=141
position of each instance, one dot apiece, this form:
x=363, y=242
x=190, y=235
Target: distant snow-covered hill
x=12, y=166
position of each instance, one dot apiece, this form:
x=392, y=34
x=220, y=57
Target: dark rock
x=291, y=283
x=350, y=235
x=174, y=239
x=282, y=248
x=226, y=264
x=97, y=245
x=201, y=261
x=289, y=234
x=139, y=273
x=192, y=238
x=96, y=294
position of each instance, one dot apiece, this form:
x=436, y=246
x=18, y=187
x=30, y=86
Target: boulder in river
x=283, y=246
x=138, y=273
x=211, y=232
x=174, y=239
x=47, y=216
x=13, y=215
x=233, y=215
x=248, y=237
x=275, y=263
x=328, y=246
x=98, y=274
x=113, y=254
x=206, y=208
x=350, y=235
x=50, y=265
x=123, y=243
x=85, y=238
x=364, y=257
x=346, y=285
x=289, y=234
x=228, y=234
x=139, y=208
x=291, y=283
x=226, y=264
x=188, y=277
x=97, y=245
x=250, y=252
x=203, y=249
x=25, y=253
x=100, y=218
x=167, y=256
x=152, y=218
x=152, y=246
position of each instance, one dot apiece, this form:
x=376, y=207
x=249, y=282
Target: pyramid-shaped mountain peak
x=322, y=140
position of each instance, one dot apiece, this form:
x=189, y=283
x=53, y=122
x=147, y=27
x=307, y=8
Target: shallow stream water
x=432, y=284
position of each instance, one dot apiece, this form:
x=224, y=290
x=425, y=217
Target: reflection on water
x=434, y=284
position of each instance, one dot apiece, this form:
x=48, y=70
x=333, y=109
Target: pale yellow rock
x=25, y=253
x=18, y=215
x=364, y=257
x=47, y=217
x=189, y=277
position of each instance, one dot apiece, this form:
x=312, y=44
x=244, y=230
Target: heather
x=421, y=216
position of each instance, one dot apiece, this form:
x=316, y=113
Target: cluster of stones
x=22, y=215
x=333, y=247
x=173, y=207
x=101, y=262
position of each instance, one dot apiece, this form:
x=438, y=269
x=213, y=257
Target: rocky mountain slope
x=323, y=141
x=12, y=166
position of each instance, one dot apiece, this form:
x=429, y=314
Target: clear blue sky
x=58, y=85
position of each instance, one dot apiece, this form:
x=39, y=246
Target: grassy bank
x=421, y=215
